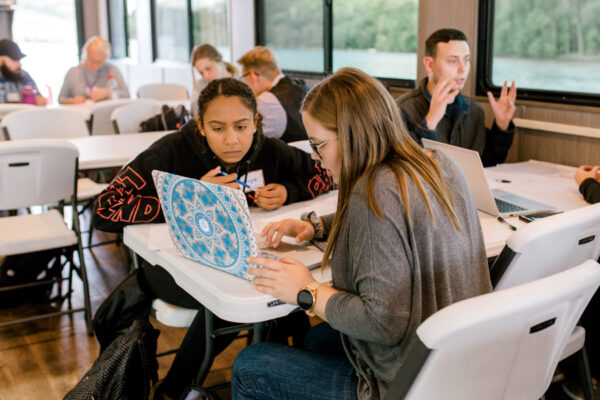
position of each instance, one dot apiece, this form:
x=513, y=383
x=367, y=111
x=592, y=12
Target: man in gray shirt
x=90, y=79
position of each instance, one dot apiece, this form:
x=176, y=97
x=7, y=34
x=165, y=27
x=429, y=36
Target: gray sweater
x=79, y=78
x=392, y=275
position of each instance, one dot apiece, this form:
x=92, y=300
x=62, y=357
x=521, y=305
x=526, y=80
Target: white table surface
x=235, y=299
x=108, y=151
x=86, y=108
x=549, y=183
x=227, y=296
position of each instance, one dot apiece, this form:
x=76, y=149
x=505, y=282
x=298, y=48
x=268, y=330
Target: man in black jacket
x=278, y=97
x=438, y=110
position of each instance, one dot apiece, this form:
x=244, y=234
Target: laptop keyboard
x=505, y=207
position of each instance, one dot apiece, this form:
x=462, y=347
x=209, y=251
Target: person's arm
x=274, y=118
x=131, y=197
x=302, y=176
x=497, y=144
x=590, y=189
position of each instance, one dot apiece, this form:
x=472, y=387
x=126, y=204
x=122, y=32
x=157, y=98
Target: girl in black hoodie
x=226, y=137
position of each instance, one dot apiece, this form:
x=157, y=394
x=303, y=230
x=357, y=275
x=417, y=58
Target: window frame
x=483, y=84
x=259, y=18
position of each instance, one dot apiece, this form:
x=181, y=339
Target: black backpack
x=28, y=268
x=169, y=119
x=125, y=370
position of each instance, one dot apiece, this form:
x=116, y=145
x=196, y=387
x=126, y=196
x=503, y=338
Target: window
x=294, y=31
x=377, y=36
x=550, y=48
x=209, y=24
x=47, y=33
x=171, y=30
x=117, y=28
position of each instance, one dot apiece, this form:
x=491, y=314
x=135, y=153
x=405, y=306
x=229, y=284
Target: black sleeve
x=131, y=197
x=590, y=189
x=497, y=144
x=302, y=176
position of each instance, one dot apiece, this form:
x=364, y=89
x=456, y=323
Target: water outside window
x=377, y=36
x=547, y=44
x=46, y=32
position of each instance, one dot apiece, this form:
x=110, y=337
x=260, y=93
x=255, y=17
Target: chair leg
x=83, y=275
x=585, y=374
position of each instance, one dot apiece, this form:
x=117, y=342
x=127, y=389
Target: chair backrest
x=502, y=345
x=36, y=172
x=547, y=246
x=126, y=119
x=44, y=123
x=101, y=115
x=6, y=108
x=163, y=92
x=302, y=145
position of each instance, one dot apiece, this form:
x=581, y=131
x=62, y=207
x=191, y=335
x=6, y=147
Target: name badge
x=13, y=97
x=255, y=180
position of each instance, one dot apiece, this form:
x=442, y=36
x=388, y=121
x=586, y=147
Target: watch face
x=305, y=299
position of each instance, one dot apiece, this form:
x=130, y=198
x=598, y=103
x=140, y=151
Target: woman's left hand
x=280, y=278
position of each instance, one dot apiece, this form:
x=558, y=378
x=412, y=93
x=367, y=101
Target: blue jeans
x=278, y=372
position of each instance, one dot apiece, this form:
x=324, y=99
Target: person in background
x=90, y=79
x=588, y=181
x=278, y=96
x=437, y=110
x=210, y=65
x=16, y=86
x=404, y=242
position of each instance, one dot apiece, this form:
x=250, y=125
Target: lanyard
x=87, y=82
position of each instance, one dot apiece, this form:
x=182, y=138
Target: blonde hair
x=98, y=43
x=371, y=135
x=261, y=60
x=209, y=52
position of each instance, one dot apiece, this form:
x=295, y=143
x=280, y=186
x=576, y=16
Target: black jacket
x=290, y=93
x=465, y=128
x=131, y=197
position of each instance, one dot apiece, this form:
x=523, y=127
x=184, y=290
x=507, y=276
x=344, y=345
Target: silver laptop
x=495, y=202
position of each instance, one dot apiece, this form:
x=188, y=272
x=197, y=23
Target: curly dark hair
x=228, y=87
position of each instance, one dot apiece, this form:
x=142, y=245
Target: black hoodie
x=131, y=197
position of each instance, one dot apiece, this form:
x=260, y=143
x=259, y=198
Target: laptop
x=496, y=202
x=211, y=224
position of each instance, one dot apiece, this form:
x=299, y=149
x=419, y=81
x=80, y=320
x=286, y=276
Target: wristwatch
x=314, y=220
x=307, y=298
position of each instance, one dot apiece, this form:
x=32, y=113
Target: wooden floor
x=45, y=359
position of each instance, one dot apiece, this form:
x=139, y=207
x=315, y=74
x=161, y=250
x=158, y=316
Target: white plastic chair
x=127, y=118
x=100, y=116
x=37, y=172
x=503, y=345
x=6, y=108
x=163, y=92
x=40, y=123
x=548, y=246
x=302, y=145
x=50, y=123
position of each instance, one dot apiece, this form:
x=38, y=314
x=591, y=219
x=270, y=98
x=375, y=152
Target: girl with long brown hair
x=405, y=242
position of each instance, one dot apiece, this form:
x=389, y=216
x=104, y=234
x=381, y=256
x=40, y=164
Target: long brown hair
x=371, y=135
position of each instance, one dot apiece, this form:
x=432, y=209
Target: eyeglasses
x=315, y=147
